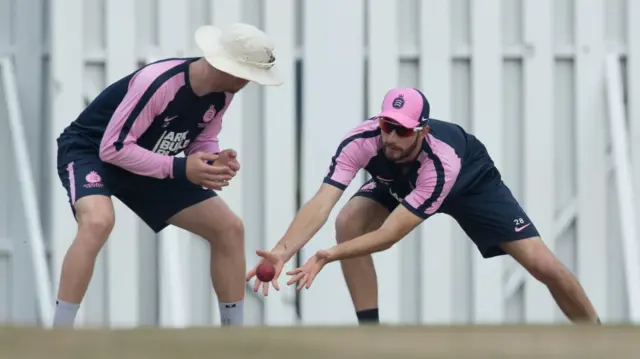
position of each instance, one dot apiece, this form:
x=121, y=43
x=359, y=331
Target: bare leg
x=95, y=218
x=360, y=216
x=216, y=223
x=536, y=257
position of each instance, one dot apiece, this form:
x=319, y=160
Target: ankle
x=368, y=316
x=65, y=314
x=232, y=313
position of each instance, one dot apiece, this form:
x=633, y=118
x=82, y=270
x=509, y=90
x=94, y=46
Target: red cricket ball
x=265, y=272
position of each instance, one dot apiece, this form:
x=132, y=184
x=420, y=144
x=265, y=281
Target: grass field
x=566, y=342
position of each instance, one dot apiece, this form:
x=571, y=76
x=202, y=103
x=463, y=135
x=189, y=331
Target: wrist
x=281, y=253
x=332, y=255
x=179, y=167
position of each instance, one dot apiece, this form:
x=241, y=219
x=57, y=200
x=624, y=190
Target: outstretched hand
x=307, y=273
x=269, y=258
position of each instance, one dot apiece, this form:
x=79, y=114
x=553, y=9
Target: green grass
x=389, y=342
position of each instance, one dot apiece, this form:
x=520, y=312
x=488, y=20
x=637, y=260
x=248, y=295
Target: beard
x=397, y=154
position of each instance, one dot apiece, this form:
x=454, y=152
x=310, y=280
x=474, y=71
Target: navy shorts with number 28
x=489, y=213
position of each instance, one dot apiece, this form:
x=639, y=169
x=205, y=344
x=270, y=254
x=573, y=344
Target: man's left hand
x=308, y=272
x=229, y=158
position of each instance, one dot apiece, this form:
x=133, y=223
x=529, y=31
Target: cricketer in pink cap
x=418, y=167
x=406, y=106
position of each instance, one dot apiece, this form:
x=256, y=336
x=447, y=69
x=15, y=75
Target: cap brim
x=207, y=39
x=400, y=118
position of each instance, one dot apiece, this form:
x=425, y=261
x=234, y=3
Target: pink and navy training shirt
x=450, y=161
x=142, y=121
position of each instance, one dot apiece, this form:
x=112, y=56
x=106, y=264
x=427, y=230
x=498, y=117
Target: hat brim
x=400, y=118
x=208, y=41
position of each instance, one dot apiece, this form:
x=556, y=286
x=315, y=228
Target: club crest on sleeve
x=209, y=115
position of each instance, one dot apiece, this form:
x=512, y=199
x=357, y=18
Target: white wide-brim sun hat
x=241, y=50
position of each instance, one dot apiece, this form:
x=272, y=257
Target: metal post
x=624, y=184
x=28, y=194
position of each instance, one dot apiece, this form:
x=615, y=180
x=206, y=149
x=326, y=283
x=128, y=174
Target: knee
x=233, y=228
x=94, y=227
x=230, y=236
x=348, y=225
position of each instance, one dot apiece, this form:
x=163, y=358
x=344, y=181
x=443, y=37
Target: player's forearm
x=143, y=162
x=306, y=224
x=372, y=242
x=202, y=146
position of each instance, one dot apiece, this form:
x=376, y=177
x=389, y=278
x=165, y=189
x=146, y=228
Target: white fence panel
x=487, y=123
x=123, y=245
x=591, y=161
x=539, y=122
x=280, y=167
x=437, y=234
x=333, y=103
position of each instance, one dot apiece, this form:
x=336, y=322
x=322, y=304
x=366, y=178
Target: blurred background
x=552, y=87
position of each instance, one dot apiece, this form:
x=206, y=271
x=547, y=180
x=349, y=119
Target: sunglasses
x=388, y=127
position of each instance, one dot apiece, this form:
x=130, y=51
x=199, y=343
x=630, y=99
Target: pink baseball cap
x=406, y=106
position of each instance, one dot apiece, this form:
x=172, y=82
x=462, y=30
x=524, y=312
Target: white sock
x=65, y=314
x=232, y=313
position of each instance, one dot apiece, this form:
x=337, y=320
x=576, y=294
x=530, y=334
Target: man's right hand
x=272, y=258
x=206, y=175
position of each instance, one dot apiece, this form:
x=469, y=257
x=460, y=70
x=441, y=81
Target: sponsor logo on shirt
x=167, y=121
x=171, y=143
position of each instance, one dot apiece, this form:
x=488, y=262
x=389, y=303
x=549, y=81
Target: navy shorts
x=82, y=173
x=488, y=213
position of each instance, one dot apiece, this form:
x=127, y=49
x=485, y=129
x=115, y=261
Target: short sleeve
x=435, y=180
x=353, y=154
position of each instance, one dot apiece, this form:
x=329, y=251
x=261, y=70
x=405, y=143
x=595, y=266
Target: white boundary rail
x=28, y=194
x=624, y=183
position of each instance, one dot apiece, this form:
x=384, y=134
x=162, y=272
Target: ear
x=426, y=130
